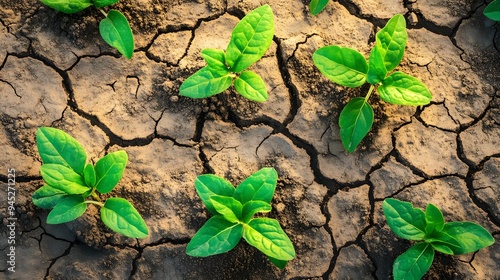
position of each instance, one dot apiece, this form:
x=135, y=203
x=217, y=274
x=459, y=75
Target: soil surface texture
x=55, y=70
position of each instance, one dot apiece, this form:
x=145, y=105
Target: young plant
x=492, y=11
x=114, y=28
x=250, y=39
x=316, y=6
x=452, y=238
x=233, y=211
x=71, y=184
x=349, y=68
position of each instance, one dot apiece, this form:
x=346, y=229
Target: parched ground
x=55, y=70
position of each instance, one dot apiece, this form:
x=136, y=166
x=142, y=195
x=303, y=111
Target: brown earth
x=55, y=70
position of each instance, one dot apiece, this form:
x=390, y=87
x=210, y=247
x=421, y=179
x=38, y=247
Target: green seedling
x=114, y=28
x=316, y=6
x=452, y=238
x=349, y=68
x=492, y=11
x=233, y=211
x=71, y=184
x=250, y=39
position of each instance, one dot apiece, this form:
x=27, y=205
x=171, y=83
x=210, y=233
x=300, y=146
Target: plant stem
x=94, y=202
x=103, y=12
x=95, y=196
x=372, y=87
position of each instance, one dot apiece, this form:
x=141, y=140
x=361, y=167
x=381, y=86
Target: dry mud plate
x=55, y=70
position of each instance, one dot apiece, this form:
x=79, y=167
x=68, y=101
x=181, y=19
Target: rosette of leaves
x=71, y=184
x=233, y=211
x=250, y=39
x=492, y=11
x=348, y=67
x=452, y=238
x=114, y=28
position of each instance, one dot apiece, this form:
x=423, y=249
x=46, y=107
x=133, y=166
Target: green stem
x=95, y=196
x=103, y=12
x=94, y=202
x=372, y=87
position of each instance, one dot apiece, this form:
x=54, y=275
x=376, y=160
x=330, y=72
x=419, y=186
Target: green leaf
x=121, y=216
x=355, y=122
x=68, y=6
x=216, y=236
x=391, y=41
x=402, y=89
x=103, y=3
x=434, y=219
x=89, y=175
x=492, y=11
x=316, y=6
x=258, y=186
x=344, y=66
x=116, y=31
x=57, y=147
x=208, y=185
x=215, y=58
x=404, y=220
x=414, y=263
x=228, y=207
x=250, y=39
x=63, y=178
x=206, y=82
x=252, y=207
x=251, y=86
x=109, y=171
x=279, y=263
x=376, y=67
x=47, y=197
x=267, y=235
x=442, y=242
x=67, y=209
x=470, y=236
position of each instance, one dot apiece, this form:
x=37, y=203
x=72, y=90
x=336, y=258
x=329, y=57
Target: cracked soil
x=55, y=70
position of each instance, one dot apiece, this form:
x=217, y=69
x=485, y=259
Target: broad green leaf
x=402, y=89
x=258, y=186
x=414, y=263
x=47, y=197
x=121, y=216
x=470, y=236
x=208, y=185
x=215, y=58
x=267, y=235
x=68, y=209
x=404, y=220
x=116, y=31
x=228, y=207
x=251, y=86
x=252, y=207
x=68, y=6
x=442, y=242
x=316, y=6
x=63, y=178
x=89, y=175
x=344, y=66
x=250, y=39
x=216, y=236
x=205, y=83
x=376, y=67
x=492, y=11
x=103, y=3
x=355, y=122
x=391, y=41
x=434, y=219
x=57, y=147
x=109, y=170
x=279, y=263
